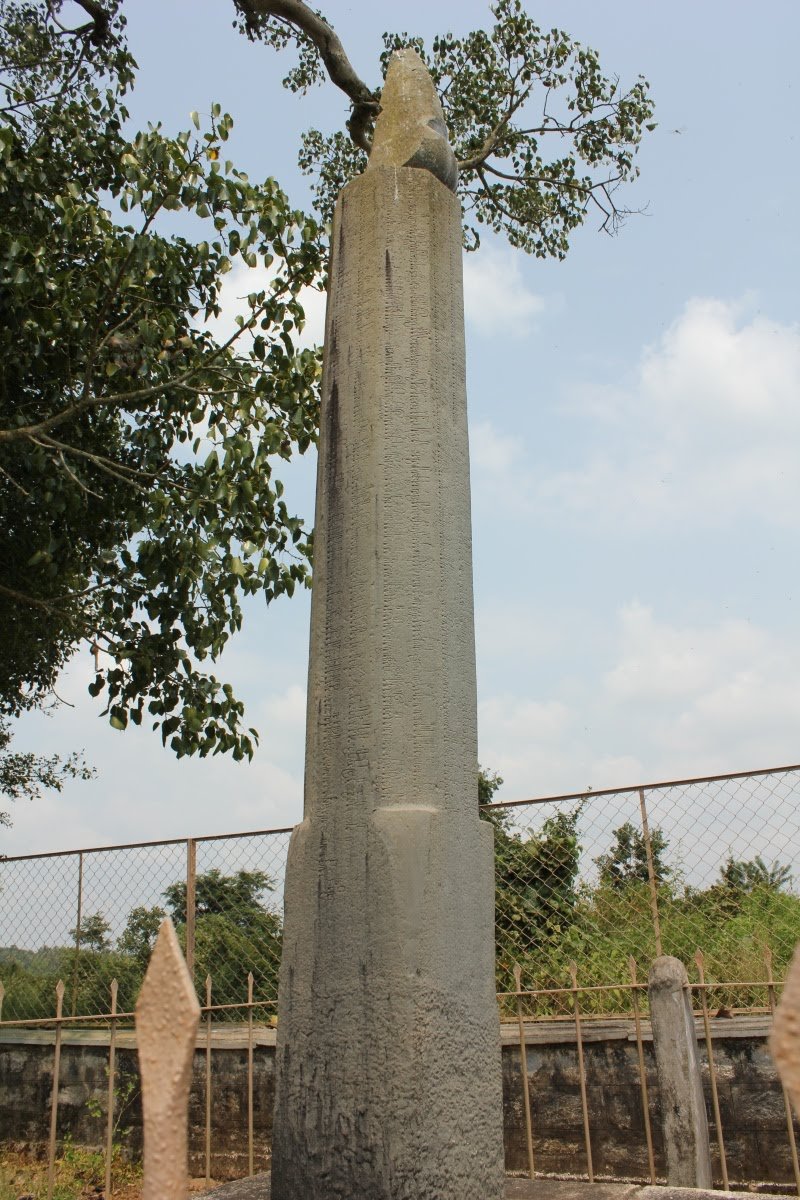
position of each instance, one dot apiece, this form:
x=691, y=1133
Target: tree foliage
x=139, y=935
x=238, y=896
x=535, y=886
x=626, y=861
x=235, y=932
x=137, y=449
x=25, y=773
x=542, y=135
x=92, y=933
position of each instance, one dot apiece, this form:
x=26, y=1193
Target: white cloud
x=496, y=298
x=677, y=700
x=706, y=429
x=289, y=708
x=702, y=699
x=713, y=363
x=659, y=661
x=490, y=450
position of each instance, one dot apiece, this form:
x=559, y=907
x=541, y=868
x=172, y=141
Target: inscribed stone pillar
x=388, y=1063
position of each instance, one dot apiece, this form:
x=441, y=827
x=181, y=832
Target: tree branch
x=477, y=160
x=294, y=12
x=35, y=602
x=97, y=29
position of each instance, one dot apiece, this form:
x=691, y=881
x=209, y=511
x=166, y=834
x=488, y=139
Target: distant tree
x=237, y=897
x=235, y=933
x=626, y=861
x=748, y=875
x=139, y=935
x=92, y=933
x=535, y=885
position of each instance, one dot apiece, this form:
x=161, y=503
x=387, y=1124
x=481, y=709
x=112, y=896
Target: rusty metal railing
x=576, y=1014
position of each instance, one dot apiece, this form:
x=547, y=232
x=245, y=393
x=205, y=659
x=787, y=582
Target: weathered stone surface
x=410, y=130
x=684, y=1122
x=388, y=1057
x=167, y=1016
x=784, y=1042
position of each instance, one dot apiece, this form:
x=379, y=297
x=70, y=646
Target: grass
x=79, y=1175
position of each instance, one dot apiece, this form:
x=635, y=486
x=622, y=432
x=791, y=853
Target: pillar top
x=410, y=130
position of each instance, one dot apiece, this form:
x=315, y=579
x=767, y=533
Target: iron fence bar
x=250, y=1171
x=191, y=902
x=642, y=987
x=51, y=1143
x=588, y=987
x=102, y=1018
x=712, y=1072
x=764, y=772
x=648, y=787
x=787, y=1104
x=523, y=1070
x=271, y=1002
x=178, y=841
x=648, y=1133
x=112, y=1068
x=208, y=1079
x=573, y=970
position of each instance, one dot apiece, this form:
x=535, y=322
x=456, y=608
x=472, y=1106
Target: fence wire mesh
x=92, y=916
x=608, y=881
x=588, y=887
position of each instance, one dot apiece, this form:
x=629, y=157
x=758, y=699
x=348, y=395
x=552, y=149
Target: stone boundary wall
x=751, y=1101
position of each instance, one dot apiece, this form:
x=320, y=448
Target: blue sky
x=635, y=423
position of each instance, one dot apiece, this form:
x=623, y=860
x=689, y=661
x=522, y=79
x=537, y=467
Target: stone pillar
x=388, y=1056
x=683, y=1106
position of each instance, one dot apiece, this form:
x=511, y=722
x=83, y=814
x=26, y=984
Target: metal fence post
x=587, y=1136
x=683, y=1106
x=78, y=919
x=651, y=873
x=191, y=901
x=648, y=1133
x=112, y=1076
x=51, y=1145
x=523, y=1069
x=712, y=1071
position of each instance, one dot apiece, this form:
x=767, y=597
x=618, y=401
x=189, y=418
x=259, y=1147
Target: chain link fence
x=88, y=917
x=597, y=885
x=590, y=888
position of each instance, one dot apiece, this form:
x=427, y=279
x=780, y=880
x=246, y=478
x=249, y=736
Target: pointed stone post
x=683, y=1107
x=167, y=1017
x=388, y=1060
